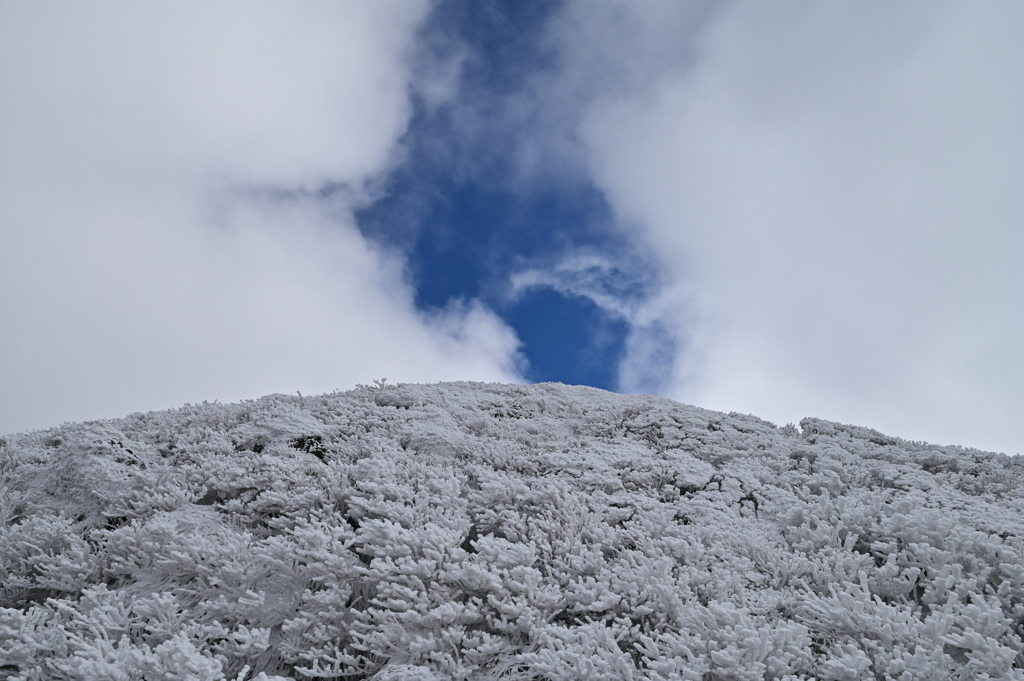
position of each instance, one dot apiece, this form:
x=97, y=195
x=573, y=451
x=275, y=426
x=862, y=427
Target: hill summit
x=476, y=531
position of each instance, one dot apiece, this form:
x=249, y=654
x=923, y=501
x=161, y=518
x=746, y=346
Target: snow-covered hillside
x=471, y=531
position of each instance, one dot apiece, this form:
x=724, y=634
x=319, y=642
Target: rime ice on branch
x=471, y=531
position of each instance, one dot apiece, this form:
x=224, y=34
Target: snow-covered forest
x=477, y=531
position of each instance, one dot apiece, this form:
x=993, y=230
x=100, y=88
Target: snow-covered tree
x=471, y=531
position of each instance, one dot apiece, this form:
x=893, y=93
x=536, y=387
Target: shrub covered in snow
x=470, y=531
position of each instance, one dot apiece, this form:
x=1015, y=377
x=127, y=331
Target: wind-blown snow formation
x=472, y=531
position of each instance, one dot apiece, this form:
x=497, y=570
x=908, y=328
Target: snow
x=484, y=531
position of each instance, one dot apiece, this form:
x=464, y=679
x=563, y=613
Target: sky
x=787, y=209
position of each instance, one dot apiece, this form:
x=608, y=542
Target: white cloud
x=592, y=276
x=837, y=185
x=162, y=235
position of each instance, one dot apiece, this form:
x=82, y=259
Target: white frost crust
x=483, y=531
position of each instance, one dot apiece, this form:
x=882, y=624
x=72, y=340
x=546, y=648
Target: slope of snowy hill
x=471, y=531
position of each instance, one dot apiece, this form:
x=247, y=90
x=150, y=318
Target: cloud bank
x=176, y=205
x=795, y=209
x=834, y=192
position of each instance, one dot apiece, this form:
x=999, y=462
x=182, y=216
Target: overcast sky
x=788, y=209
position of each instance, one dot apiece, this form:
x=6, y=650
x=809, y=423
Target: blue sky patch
x=458, y=210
